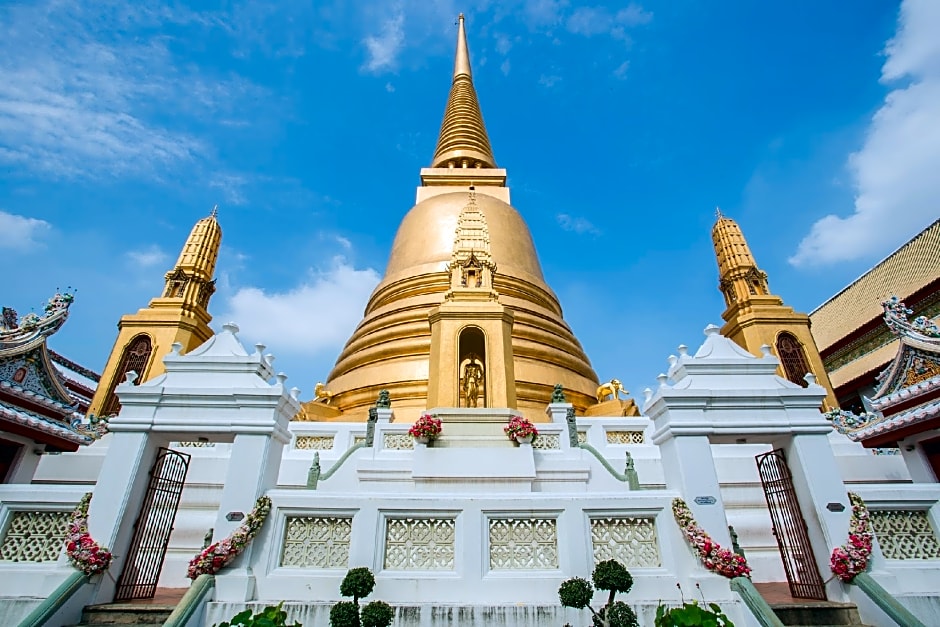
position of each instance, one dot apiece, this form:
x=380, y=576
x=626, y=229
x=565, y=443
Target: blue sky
x=622, y=126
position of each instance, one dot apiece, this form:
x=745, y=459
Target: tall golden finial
x=215, y=212
x=201, y=250
x=463, y=142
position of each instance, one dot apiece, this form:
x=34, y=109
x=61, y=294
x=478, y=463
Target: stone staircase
x=119, y=614
x=818, y=613
x=806, y=612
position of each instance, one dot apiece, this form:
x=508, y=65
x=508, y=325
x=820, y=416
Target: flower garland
x=851, y=558
x=714, y=558
x=83, y=552
x=520, y=427
x=216, y=556
x=427, y=426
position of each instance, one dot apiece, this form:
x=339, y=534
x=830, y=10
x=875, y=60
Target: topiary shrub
x=271, y=616
x=377, y=614
x=576, y=593
x=619, y=614
x=608, y=575
x=345, y=614
x=358, y=583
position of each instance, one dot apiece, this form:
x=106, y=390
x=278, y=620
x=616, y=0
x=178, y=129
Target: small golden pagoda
x=755, y=317
x=180, y=314
x=463, y=316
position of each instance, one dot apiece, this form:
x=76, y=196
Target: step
x=126, y=614
x=817, y=613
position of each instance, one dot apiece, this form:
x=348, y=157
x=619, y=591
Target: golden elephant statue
x=612, y=388
x=321, y=394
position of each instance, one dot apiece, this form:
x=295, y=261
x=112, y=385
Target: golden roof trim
x=905, y=271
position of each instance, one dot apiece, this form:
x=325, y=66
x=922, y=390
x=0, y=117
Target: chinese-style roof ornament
x=896, y=314
x=36, y=398
x=16, y=331
x=908, y=394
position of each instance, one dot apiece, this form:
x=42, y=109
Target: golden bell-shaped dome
x=391, y=348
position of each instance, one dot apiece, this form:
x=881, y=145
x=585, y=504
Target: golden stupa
x=397, y=346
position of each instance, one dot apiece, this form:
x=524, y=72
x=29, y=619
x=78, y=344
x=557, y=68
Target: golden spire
x=463, y=142
x=191, y=277
x=201, y=250
x=731, y=248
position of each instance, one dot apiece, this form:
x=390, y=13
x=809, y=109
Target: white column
x=117, y=499
x=25, y=464
x=689, y=467
x=915, y=460
x=252, y=470
x=818, y=483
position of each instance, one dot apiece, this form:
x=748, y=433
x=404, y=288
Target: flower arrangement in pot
x=521, y=430
x=426, y=428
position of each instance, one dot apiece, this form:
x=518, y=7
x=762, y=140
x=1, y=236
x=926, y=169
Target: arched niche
x=471, y=367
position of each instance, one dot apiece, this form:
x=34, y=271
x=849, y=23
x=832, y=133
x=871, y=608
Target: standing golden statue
x=472, y=380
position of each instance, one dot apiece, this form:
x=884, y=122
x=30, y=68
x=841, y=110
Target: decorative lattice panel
x=313, y=442
x=420, y=543
x=34, y=536
x=523, y=544
x=359, y=439
x=886, y=451
x=905, y=535
x=398, y=441
x=193, y=445
x=316, y=542
x=630, y=541
x=625, y=437
x=582, y=437
x=547, y=442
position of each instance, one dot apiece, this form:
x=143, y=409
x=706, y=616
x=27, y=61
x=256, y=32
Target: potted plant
x=425, y=429
x=521, y=430
x=271, y=616
x=691, y=613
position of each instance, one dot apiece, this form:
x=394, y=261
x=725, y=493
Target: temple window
x=793, y=358
x=135, y=358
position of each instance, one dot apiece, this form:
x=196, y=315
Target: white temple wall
x=737, y=473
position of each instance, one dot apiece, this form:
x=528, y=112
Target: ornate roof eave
x=29, y=420
x=877, y=429
x=917, y=336
x=63, y=398
x=33, y=327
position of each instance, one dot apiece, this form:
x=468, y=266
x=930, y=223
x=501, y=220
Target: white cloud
x=88, y=89
x=148, y=257
x=389, y=88
x=318, y=315
x=621, y=70
x=576, y=224
x=504, y=67
x=548, y=80
x=384, y=47
x=590, y=21
x=897, y=190
x=21, y=233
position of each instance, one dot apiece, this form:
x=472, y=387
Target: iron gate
x=789, y=527
x=153, y=527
